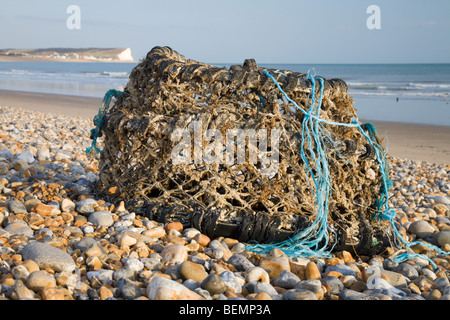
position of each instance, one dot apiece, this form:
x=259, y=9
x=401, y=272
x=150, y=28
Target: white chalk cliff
x=125, y=55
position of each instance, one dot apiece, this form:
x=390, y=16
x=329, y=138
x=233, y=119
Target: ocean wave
x=419, y=90
x=94, y=77
x=362, y=84
x=116, y=74
x=370, y=87
x=19, y=71
x=409, y=94
x=398, y=85
x=431, y=85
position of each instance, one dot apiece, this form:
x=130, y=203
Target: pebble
x=257, y=287
x=43, y=154
x=67, y=205
x=101, y=218
x=19, y=228
x=152, y=264
x=30, y=265
x=315, y=286
x=231, y=281
x=174, y=226
x=47, y=256
x=130, y=292
x=105, y=292
x=240, y=262
x=46, y=210
x=39, y=280
x=6, y=154
x=238, y=248
x=441, y=209
x=86, y=244
x=161, y=288
x=312, y=271
x=298, y=294
x=64, y=279
x=275, y=265
x=20, y=272
x=348, y=294
x=214, y=284
x=157, y=233
x=53, y=293
x=104, y=276
x=407, y=270
x=194, y=271
x=202, y=239
x=21, y=292
x=286, y=279
x=86, y=206
x=190, y=233
x=26, y=156
x=441, y=200
x=442, y=238
x=342, y=269
x=124, y=273
x=88, y=229
x=256, y=274
x=17, y=207
x=334, y=283
x=174, y=254
x=421, y=229
x=395, y=279
x=442, y=282
x=126, y=240
x=134, y=264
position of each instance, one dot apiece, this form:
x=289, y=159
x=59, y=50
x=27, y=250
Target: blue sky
x=281, y=31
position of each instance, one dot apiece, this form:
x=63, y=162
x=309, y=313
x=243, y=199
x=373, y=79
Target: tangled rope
x=313, y=240
x=99, y=120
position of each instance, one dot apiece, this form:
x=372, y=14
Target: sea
x=409, y=93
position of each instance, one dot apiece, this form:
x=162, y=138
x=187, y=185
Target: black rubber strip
x=350, y=147
x=197, y=219
x=211, y=224
x=292, y=82
x=281, y=235
x=272, y=229
x=258, y=226
x=228, y=230
x=370, y=151
x=247, y=226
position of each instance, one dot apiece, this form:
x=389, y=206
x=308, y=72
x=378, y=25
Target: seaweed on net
x=168, y=92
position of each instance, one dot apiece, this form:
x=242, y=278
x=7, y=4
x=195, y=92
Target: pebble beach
x=59, y=240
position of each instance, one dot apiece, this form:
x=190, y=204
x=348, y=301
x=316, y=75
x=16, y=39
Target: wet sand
x=410, y=141
x=416, y=142
x=84, y=107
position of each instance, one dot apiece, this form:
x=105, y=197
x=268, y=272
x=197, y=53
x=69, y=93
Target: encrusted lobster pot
x=176, y=115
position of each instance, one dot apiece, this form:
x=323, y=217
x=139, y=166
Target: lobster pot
x=223, y=150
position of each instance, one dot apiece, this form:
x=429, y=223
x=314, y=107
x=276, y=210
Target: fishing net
x=257, y=154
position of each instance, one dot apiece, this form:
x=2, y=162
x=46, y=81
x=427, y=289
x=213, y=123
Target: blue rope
x=313, y=240
x=99, y=120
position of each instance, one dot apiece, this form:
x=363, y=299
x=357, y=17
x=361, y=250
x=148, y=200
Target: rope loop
x=99, y=120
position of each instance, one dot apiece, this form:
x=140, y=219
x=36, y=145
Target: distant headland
x=68, y=55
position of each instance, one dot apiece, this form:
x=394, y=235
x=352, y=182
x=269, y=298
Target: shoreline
x=39, y=59
x=75, y=106
x=430, y=143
